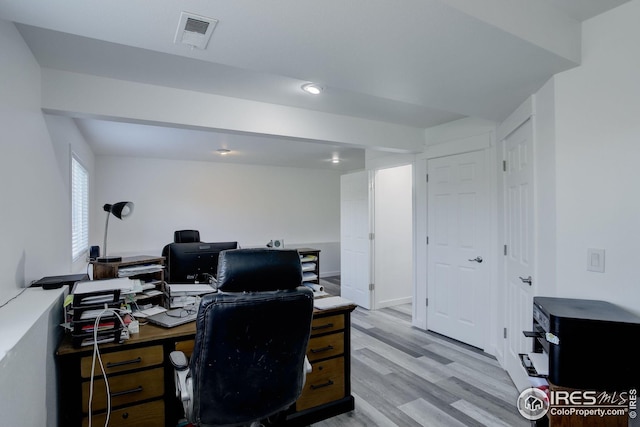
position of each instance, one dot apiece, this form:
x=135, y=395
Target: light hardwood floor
x=402, y=376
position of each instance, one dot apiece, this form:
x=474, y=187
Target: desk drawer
x=122, y=361
x=186, y=347
x=325, y=346
x=146, y=415
x=124, y=389
x=323, y=325
x=324, y=384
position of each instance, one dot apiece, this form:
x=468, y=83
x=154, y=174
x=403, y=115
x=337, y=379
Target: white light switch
x=595, y=260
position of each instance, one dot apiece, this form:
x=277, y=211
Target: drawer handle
x=327, y=384
x=320, y=350
x=122, y=393
x=124, y=362
x=325, y=326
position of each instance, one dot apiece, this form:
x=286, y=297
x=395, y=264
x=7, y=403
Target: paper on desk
x=149, y=311
x=307, y=275
x=189, y=289
x=330, y=302
x=540, y=362
x=139, y=269
x=125, y=286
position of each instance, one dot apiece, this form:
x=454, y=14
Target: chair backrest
x=251, y=338
x=186, y=236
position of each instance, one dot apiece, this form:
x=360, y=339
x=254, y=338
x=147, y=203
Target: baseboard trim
x=393, y=302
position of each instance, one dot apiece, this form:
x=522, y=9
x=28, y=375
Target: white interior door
x=458, y=229
x=519, y=233
x=355, y=243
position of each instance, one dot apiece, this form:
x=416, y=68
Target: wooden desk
x=142, y=385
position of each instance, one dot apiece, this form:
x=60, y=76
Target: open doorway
x=393, y=238
x=377, y=237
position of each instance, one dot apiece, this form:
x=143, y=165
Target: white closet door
x=520, y=241
x=458, y=227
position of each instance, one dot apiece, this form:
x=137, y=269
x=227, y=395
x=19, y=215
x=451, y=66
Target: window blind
x=79, y=209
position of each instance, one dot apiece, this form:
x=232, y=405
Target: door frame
x=523, y=113
x=482, y=138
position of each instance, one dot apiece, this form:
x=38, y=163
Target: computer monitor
x=189, y=262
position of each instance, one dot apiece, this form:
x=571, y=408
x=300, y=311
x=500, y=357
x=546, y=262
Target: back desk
x=142, y=386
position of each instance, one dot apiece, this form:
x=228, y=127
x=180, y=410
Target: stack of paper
x=139, y=269
x=308, y=266
x=149, y=311
x=307, y=276
x=124, y=285
x=182, y=295
x=189, y=289
x=331, y=302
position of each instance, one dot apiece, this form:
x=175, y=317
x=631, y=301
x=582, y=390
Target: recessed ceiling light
x=223, y=151
x=312, y=88
x=335, y=159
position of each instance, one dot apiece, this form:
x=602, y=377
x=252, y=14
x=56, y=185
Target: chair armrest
x=178, y=360
x=184, y=385
x=306, y=369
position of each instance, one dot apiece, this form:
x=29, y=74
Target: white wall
x=248, y=204
x=35, y=227
x=598, y=147
x=545, y=172
x=33, y=184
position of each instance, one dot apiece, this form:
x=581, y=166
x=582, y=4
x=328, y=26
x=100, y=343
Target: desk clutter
x=97, y=311
x=106, y=311
x=101, y=310
x=135, y=288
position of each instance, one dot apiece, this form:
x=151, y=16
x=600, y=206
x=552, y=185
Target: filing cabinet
x=327, y=389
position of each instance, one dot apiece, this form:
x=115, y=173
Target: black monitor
x=189, y=262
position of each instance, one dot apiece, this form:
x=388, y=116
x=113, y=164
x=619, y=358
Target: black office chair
x=249, y=359
x=180, y=236
x=186, y=236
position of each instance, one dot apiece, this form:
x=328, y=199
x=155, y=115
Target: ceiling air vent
x=195, y=30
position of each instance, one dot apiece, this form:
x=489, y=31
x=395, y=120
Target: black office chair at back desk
x=181, y=236
x=186, y=236
x=248, y=362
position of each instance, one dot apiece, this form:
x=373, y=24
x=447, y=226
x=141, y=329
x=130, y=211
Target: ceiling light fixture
x=223, y=151
x=312, y=88
x=335, y=159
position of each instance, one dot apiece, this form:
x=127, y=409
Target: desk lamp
x=120, y=210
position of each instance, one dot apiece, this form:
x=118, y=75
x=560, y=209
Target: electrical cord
x=96, y=355
x=11, y=299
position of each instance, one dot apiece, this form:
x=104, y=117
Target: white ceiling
x=416, y=63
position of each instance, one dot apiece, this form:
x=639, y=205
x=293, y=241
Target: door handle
x=477, y=259
x=526, y=280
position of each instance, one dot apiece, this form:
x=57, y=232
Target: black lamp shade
x=120, y=210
